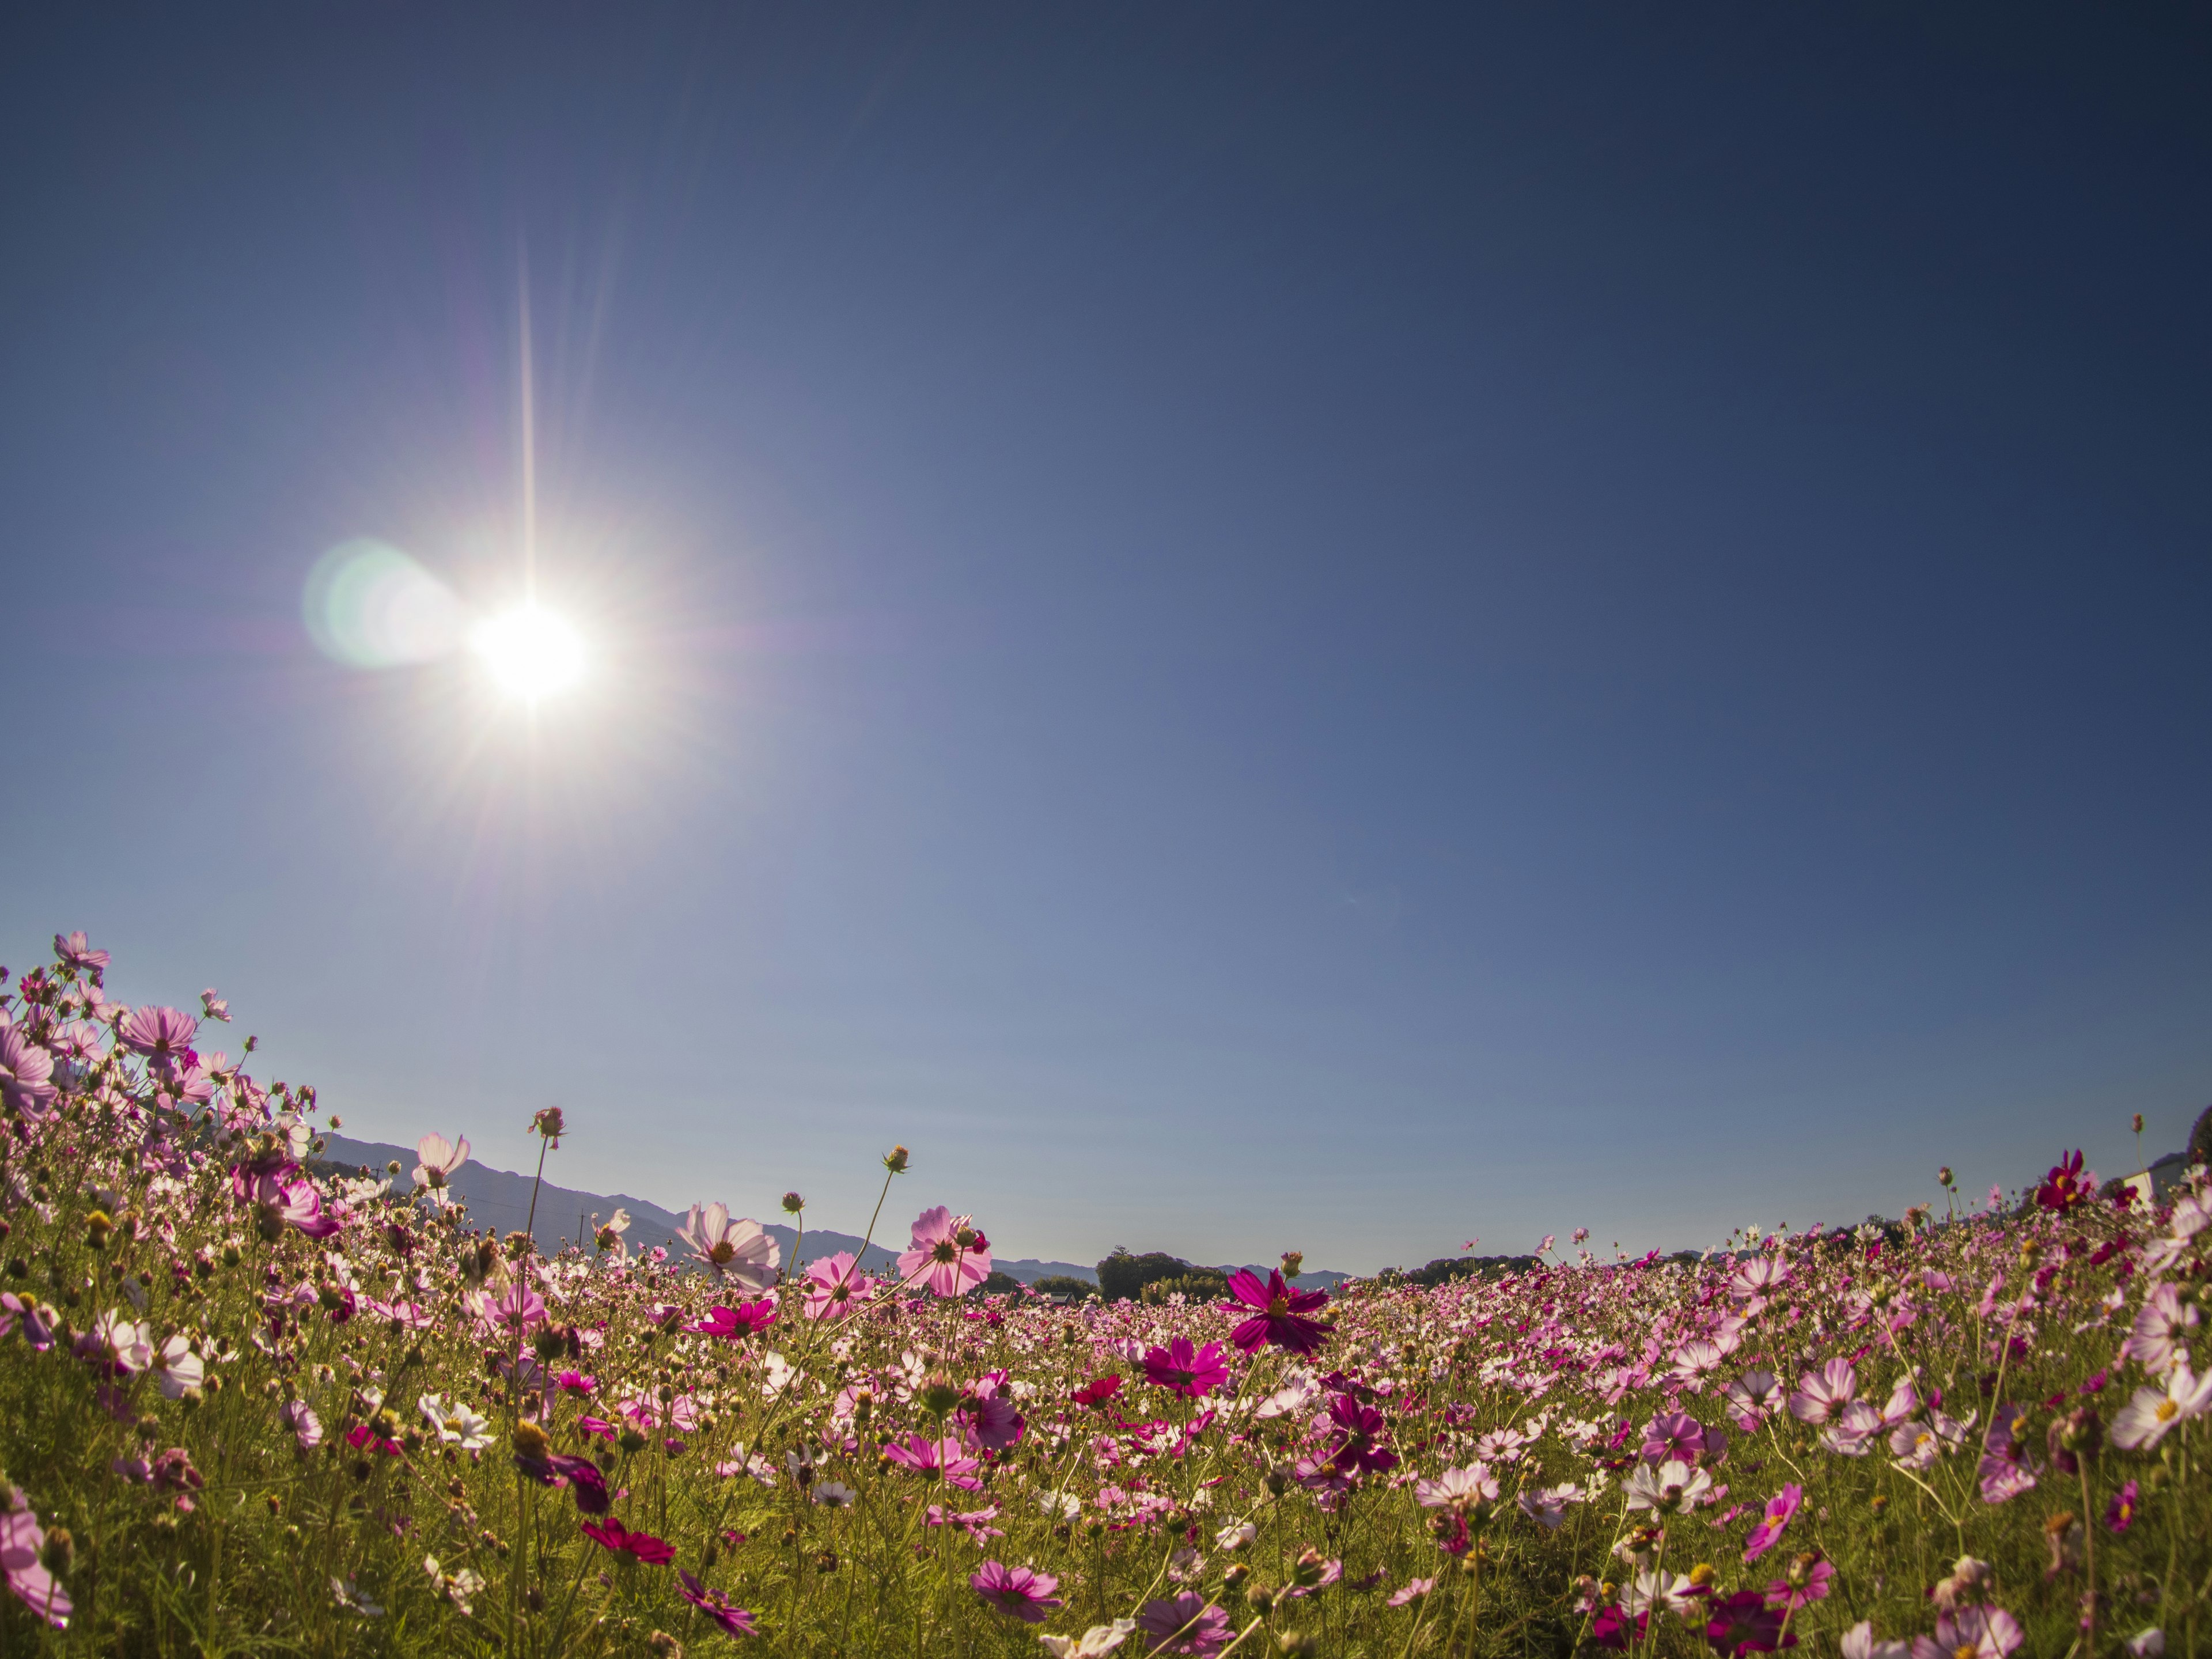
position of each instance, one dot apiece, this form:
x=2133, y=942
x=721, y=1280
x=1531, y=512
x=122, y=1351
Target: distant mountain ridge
x=499, y=1200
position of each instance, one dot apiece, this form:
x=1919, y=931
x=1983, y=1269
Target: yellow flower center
x=2167, y=1410
x=722, y=1252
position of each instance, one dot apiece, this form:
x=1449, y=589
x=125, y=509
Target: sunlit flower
x=455, y=1424
x=460, y=1588
x=946, y=1254
x=26, y=1073
x=177, y=1367
x=1670, y=1485
x=1465, y=1489
x=1281, y=1319
x=733, y=1620
x=1186, y=1624
x=833, y=1284
x=942, y=1460
x=741, y=1249
x=1181, y=1368
x=2178, y=1396
x=436, y=1158
x=1823, y=1392
x=75, y=950
x=611, y=1533
x=22, y=1544
x=1981, y=1632
x=1023, y=1591
x=1094, y=1643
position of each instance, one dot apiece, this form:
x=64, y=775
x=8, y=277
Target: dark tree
x=1122, y=1277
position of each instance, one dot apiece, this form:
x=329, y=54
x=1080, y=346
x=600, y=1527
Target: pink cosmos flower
x=1752, y=1399
x=518, y=1307
x=164, y=1036
x=1281, y=1320
x=1415, y=1589
x=1779, y=1509
x=1461, y=1490
x=1674, y=1435
x=25, y=1071
x=1023, y=1591
x=735, y=1324
x=833, y=1284
x=1187, y=1624
x=991, y=1421
x=947, y=1253
x=1981, y=1632
x=39, y=1320
x=1743, y=1623
x=580, y=1474
x=611, y=1533
x=733, y=1618
x=115, y=1341
x=298, y=1417
x=293, y=1200
x=1548, y=1505
x=741, y=1250
x=1859, y=1643
x=21, y=1540
x=1786, y=1597
x=75, y=952
x=944, y=1459
x=1193, y=1373
x=436, y=1158
x=1821, y=1394
x=2120, y=1513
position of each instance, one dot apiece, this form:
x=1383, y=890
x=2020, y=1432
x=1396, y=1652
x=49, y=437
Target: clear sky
x=1250, y=626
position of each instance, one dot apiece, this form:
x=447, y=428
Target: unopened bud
x=895, y=1160
x=59, y=1552
x=793, y=1203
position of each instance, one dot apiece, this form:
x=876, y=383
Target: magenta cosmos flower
x=1023, y=1591
x=733, y=1618
x=1184, y=1624
x=1193, y=1373
x=948, y=1254
x=1743, y=1623
x=944, y=1459
x=741, y=1250
x=1281, y=1318
x=1779, y=1509
x=25, y=1072
x=735, y=1324
x=1356, y=1443
x=638, y=1546
x=833, y=1284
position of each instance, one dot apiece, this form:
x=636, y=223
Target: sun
x=531, y=653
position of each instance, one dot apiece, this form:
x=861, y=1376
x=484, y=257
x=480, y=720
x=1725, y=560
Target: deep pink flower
x=948, y=1254
x=2120, y=1513
x=293, y=1200
x=2063, y=1188
x=1613, y=1628
x=1768, y=1532
x=944, y=1459
x=733, y=1618
x=1674, y=1436
x=25, y=1071
x=735, y=1324
x=1356, y=1443
x=833, y=1284
x=1743, y=1623
x=1098, y=1391
x=1193, y=1373
x=640, y=1546
x=1184, y=1624
x=580, y=1473
x=1785, y=1597
x=75, y=952
x=992, y=1420
x=1023, y=1591
x=1281, y=1319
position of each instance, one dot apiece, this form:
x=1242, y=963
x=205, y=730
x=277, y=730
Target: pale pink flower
x=177, y=1367
x=160, y=1034
x=1415, y=1589
x=1549, y=1505
x=741, y=1250
x=75, y=950
x=2160, y=1323
x=1752, y=1398
x=1859, y=1643
x=1972, y=1633
x=21, y=1540
x=834, y=1284
x=213, y=1007
x=2144, y=1420
x=436, y=1158
x=1458, y=1489
x=298, y=1417
x=25, y=1071
x=1821, y=1393
x=947, y=1254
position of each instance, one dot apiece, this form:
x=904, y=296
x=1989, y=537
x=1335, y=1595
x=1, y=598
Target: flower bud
x=939, y=1394
x=1300, y=1643
x=1307, y=1568
x=1943, y=1177
x=59, y=1552
x=549, y=1124
x=97, y=1226
x=793, y=1203
x=895, y=1160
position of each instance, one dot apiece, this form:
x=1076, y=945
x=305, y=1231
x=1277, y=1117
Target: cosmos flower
x=1859, y=1643
x=460, y=1588
x=733, y=1618
x=2143, y=1421
x=834, y=1284
x=1356, y=1443
x=1549, y=1505
x=75, y=950
x=1462, y=1490
x=1181, y=1368
x=946, y=1254
x=1823, y=1392
x=944, y=1459
x=1411, y=1595
x=1671, y=1485
x=1780, y=1509
x=1186, y=1624
x=26, y=1073
x=1023, y=1591
x=436, y=1158
x=611, y=1533
x=735, y=1324
x=164, y=1036
x=213, y=1007
x=1281, y=1321
x=1094, y=1643
x=1752, y=1399
x=1743, y=1623
x=455, y=1424
x=742, y=1249
x=1979, y=1632
x=2159, y=1327
x=298, y=1417
x=177, y=1367
x=22, y=1543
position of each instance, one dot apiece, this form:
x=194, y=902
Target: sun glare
x=532, y=653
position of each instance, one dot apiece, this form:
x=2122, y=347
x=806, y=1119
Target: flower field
x=250, y=1404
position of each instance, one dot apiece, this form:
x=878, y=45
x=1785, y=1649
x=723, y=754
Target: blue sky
x=1249, y=627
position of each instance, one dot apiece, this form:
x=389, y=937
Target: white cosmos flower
x=1671, y=1485
x=2143, y=1421
x=177, y=1367
x=1094, y=1643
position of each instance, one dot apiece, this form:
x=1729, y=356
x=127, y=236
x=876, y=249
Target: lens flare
x=369, y=605
x=532, y=653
